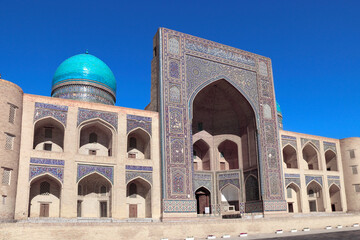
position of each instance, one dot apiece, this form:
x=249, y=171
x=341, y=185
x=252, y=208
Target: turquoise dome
x=85, y=68
x=278, y=109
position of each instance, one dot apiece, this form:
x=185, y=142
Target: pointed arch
x=290, y=156
x=201, y=155
x=48, y=134
x=331, y=160
x=139, y=199
x=293, y=198
x=44, y=196
x=315, y=196
x=105, y=140
x=229, y=156
x=311, y=156
x=335, y=197
x=95, y=173
x=139, y=144
x=203, y=200
x=252, y=188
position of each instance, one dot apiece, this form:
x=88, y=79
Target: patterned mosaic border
x=134, y=121
x=179, y=206
x=288, y=140
x=57, y=172
x=58, y=112
x=86, y=114
x=138, y=168
x=275, y=206
x=334, y=179
x=47, y=161
x=84, y=169
x=131, y=175
x=203, y=180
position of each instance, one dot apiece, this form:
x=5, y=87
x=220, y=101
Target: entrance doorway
x=103, y=209
x=203, y=201
x=312, y=206
x=291, y=207
x=132, y=210
x=44, y=210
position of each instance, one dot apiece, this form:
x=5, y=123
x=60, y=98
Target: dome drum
x=84, y=77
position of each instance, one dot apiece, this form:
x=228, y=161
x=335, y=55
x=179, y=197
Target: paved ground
x=315, y=234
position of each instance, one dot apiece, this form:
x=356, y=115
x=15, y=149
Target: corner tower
x=86, y=78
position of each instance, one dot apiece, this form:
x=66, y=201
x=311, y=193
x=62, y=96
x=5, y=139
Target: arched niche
x=311, y=157
x=49, y=135
x=96, y=138
x=315, y=197
x=45, y=197
x=290, y=157
x=138, y=198
x=335, y=198
x=293, y=198
x=229, y=158
x=230, y=198
x=331, y=161
x=94, y=196
x=201, y=156
x=252, y=188
x=138, y=144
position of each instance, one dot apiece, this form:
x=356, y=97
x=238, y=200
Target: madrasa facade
x=210, y=143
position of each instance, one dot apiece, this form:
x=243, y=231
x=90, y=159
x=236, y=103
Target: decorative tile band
x=134, y=121
x=254, y=206
x=288, y=137
x=217, y=52
x=234, y=182
x=179, y=206
x=223, y=176
x=51, y=106
x=138, y=168
x=131, y=175
x=318, y=179
x=57, y=172
x=202, y=176
x=331, y=181
x=47, y=161
x=83, y=170
x=334, y=177
x=86, y=114
x=276, y=205
x=291, y=175
x=49, y=110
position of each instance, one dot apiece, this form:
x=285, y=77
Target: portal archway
x=230, y=198
x=49, y=135
x=331, y=160
x=311, y=157
x=138, y=144
x=290, y=156
x=293, y=198
x=335, y=198
x=315, y=197
x=201, y=155
x=203, y=201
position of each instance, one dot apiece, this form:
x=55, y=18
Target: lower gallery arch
x=315, y=197
x=94, y=197
x=229, y=198
x=252, y=189
x=45, y=197
x=138, y=199
x=293, y=198
x=203, y=201
x=335, y=198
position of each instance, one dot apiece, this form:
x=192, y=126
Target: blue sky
x=314, y=47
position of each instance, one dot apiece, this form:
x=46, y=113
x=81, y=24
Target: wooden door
x=133, y=211
x=103, y=209
x=312, y=206
x=44, y=210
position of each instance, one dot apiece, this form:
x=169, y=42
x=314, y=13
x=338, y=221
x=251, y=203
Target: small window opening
x=133, y=142
x=4, y=199
x=12, y=113
x=47, y=146
x=6, y=176
x=103, y=190
x=45, y=188
x=131, y=155
x=79, y=190
x=132, y=190
x=357, y=187
x=352, y=153
x=92, y=138
x=200, y=126
x=92, y=152
x=48, y=132
x=194, y=154
x=354, y=169
x=9, y=142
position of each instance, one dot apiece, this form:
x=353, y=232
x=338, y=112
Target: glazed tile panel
x=187, y=65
